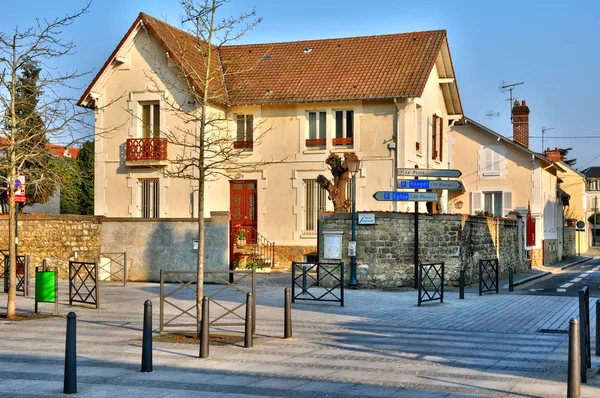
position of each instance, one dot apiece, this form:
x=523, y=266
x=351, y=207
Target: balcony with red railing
x=343, y=141
x=146, y=152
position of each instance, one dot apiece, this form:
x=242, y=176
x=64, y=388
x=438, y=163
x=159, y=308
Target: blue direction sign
x=430, y=173
x=406, y=196
x=430, y=184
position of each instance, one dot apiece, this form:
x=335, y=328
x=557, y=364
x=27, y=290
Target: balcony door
x=243, y=204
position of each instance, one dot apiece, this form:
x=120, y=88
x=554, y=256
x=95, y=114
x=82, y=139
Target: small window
x=491, y=161
x=150, y=198
x=315, y=201
x=151, y=120
x=317, y=129
x=244, y=131
x=437, y=138
x=493, y=203
x=418, y=127
x=344, y=128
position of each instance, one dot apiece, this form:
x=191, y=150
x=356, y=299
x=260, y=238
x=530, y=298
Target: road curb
x=575, y=263
x=531, y=278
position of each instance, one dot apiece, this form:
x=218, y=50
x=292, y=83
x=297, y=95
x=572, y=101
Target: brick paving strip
x=378, y=344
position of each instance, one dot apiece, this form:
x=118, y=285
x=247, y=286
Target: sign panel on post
x=430, y=173
x=20, y=196
x=406, y=196
x=430, y=184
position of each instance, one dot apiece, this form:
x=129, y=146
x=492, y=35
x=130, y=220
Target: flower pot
x=241, y=242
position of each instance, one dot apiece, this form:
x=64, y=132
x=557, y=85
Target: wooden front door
x=243, y=203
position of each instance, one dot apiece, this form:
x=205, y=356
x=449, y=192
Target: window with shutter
x=476, y=202
x=507, y=202
x=434, y=138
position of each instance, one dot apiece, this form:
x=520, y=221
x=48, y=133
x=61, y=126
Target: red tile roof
x=63, y=151
x=367, y=67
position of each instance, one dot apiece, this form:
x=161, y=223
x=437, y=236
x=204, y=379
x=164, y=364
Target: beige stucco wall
x=284, y=128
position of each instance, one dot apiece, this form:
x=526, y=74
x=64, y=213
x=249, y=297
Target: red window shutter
x=530, y=229
x=434, y=138
x=441, y=137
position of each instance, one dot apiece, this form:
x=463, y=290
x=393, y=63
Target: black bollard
x=461, y=293
x=287, y=315
x=304, y=282
x=70, y=381
x=598, y=327
x=147, y=338
x=511, y=287
x=574, y=376
x=204, y=329
x=248, y=337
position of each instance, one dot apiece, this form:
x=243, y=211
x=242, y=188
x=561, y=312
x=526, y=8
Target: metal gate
x=4, y=253
x=320, y=279
x=178, y=291
x=111, y=265
x=22, y=277
x=83, y=283
x=431, y=282
x=488, y=276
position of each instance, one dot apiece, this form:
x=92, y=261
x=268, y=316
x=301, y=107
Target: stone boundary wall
x=168, y=243
x=55, y=237
x=151, y=244
x=385, y=251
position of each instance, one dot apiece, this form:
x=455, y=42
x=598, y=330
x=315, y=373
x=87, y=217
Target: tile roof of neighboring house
x=64, y=151
x=592, y=172
x=368, y=67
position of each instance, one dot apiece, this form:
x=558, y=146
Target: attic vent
x=266, y=57
x=307, y=50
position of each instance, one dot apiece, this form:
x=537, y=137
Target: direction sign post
x=429, y=173
x=452, y=185
x=406, y=196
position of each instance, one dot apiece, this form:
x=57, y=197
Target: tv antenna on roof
x=544, y=129
x=509, y=87
x=489, y=115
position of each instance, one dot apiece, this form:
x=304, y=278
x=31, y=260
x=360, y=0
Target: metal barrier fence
x=22, y=278
x=585, y=340
x=111, y=265
x=186, y=318
x=320, y=279
x=4, y=253
x=488, y=276
x=431, y=282
x=83, y=283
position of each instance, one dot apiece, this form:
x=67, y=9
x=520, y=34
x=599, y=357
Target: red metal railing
x=146, y=149
x=242, y=144
x=343, y=141
x=315, y=142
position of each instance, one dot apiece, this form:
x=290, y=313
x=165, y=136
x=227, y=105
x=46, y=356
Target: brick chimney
x=554, y=155
x=520, y=114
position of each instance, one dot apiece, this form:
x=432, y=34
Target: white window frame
x=153, y=105
x=135, y=107
x=154, y=197
x=236, y=118
x=478, y=200
x=344, y=124
x=419, y=129
x=492, y=161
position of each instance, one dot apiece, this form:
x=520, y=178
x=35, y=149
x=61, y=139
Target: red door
x=243, y=201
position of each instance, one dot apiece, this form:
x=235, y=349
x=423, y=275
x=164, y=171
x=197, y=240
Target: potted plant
x=241, y=238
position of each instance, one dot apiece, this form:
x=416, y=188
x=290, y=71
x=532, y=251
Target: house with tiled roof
x=503, y=176
x=388, y=98
x=592, y=177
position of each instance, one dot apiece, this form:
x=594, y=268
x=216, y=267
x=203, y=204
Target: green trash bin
x=46, y=287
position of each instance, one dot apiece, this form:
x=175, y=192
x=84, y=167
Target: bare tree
x=336, y=189
x=205, y=147
x=29, y=121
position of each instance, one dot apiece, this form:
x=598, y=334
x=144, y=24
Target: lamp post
x=353, y=166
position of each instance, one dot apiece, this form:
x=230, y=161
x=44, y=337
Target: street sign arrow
x=429, y=173
x=406, y=196
x=452, y=185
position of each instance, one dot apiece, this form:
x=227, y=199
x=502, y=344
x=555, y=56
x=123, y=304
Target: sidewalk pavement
x=380, y=344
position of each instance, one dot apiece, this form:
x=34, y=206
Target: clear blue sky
x=552, y=46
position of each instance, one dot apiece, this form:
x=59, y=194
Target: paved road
x=378, y=344
x=567, y=282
